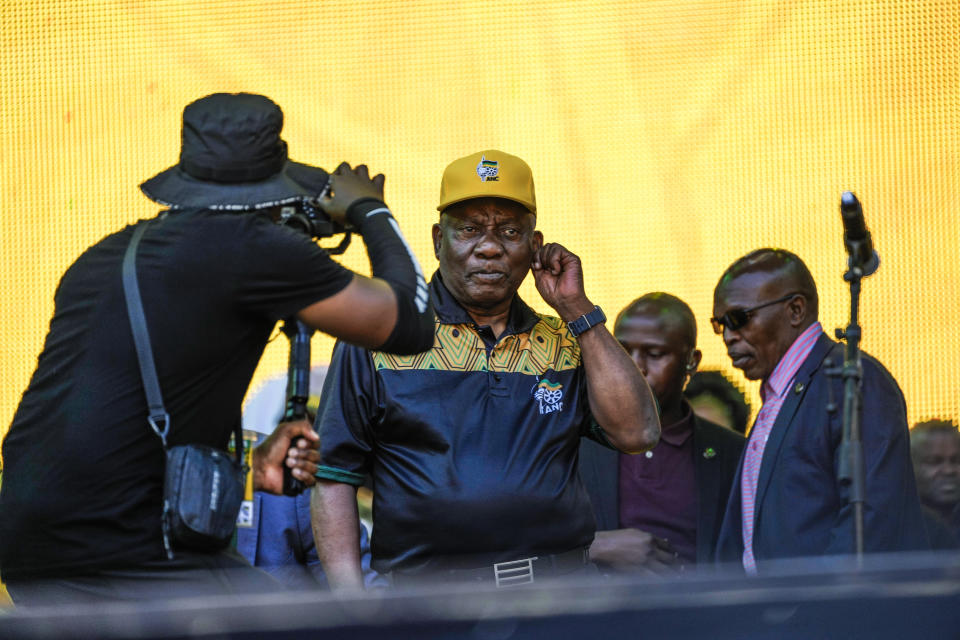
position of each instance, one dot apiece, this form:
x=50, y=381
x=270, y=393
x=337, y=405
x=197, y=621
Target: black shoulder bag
x=203, y=487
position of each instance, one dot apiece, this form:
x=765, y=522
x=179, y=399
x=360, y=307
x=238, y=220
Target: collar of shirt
x=680, y=431
x=521, y=319
x=791, y=362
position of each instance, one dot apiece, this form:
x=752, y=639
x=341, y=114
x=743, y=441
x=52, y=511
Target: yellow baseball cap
x=488, y=174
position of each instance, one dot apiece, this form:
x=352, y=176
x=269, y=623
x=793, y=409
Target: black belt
x=503, y=574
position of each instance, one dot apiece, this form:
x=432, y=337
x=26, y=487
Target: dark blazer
x=716, y=451
x=800, y=508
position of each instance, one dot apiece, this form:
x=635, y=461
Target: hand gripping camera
x=308, y=216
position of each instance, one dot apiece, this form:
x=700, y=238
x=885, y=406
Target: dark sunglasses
x=736, y=319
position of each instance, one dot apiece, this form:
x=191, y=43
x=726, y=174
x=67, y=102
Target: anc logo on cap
x=488, y=170
x=487, y=174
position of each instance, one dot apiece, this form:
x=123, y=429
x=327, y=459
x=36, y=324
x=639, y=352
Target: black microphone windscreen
x=852, y=214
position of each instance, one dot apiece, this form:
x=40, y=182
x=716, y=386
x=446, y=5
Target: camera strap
x=157, y=416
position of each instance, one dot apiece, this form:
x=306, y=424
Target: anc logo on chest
x=549, y=396
x=457, y=347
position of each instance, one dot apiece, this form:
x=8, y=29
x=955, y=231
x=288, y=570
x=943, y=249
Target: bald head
x=670, y=309
x=786, y=268
x=923, y=432
x=659, y=332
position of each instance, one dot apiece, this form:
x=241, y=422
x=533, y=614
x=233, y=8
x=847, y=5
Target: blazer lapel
x=730, y=539
x=795, y=394
x=708, y=489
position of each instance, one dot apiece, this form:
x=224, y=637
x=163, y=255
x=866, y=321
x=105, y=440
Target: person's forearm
x=631, y=549
x=336, y=532
x=603, y=548
x=392, y=260
x=620, y=399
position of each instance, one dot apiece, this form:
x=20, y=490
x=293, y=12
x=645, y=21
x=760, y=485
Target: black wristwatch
x=586, y=321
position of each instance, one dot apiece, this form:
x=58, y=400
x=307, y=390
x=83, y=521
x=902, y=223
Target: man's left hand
x=559, y=280
x=291, y=443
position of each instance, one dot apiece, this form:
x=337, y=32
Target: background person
x=661, y=510
x=279, y=537
x=935, y=449
x=786, y=500
x=714, y=397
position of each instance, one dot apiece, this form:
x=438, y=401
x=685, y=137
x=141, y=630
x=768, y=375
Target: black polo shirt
x=472, y=446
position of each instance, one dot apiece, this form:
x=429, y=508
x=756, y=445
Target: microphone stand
x=851, y=472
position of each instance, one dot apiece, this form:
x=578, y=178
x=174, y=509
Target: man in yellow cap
x=472, y=446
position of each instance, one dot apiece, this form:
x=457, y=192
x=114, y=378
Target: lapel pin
x=709, y=452
x=798, y=389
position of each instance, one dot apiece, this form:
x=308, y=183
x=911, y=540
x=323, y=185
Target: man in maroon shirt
x=661, y=510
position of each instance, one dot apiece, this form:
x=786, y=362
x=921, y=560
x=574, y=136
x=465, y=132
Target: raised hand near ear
x=559, y=279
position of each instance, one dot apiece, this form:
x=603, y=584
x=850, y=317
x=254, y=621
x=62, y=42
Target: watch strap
x=586, y=321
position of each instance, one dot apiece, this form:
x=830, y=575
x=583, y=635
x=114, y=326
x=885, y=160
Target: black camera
x=307, y=216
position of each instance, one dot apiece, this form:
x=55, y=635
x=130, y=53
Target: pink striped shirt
x=773, y=392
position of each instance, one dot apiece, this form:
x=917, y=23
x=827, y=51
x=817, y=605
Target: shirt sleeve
x=283, y=270
x=349, y=408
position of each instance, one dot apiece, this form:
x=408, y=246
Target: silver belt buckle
x=515, y=572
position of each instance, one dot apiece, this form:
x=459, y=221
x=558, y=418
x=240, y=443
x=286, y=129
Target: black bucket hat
x=232, y=157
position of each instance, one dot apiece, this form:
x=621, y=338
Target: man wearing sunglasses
x=786, y=500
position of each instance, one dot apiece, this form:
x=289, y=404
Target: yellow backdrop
x=667, y=139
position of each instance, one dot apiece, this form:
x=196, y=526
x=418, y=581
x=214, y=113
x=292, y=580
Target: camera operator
x=81, y=500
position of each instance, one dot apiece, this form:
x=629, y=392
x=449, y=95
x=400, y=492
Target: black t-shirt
x=83, y=470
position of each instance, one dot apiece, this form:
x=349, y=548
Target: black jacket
x=716, y=452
